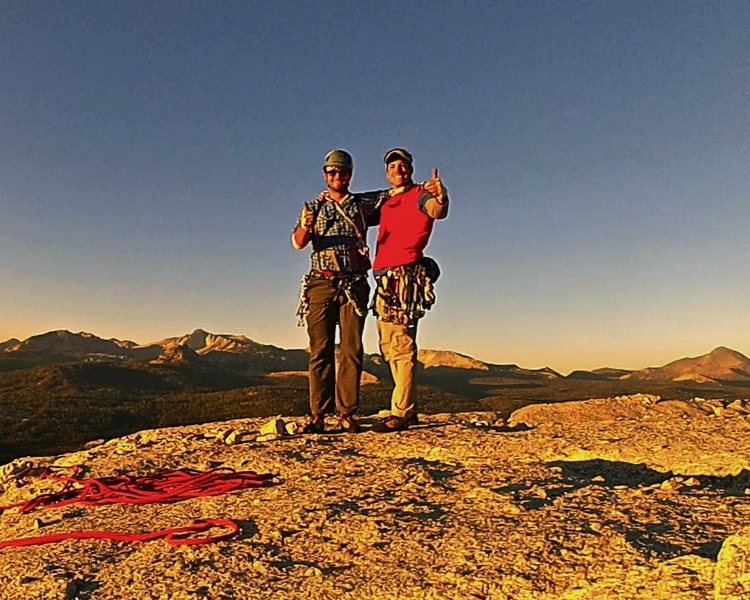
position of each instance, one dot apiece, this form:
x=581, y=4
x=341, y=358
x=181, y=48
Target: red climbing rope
x=165, y=487
x=175, y=536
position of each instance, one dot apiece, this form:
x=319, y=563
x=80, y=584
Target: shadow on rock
x=731, y=485
x=248, y=529
x=438, y=471
x=669, y=531
x=652, y=539
x=510, y=428
x=419, y=511
x=339, y=509
x=582, y=474
x=609, y=473
x=80, y=590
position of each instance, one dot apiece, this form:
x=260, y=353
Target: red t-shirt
x=404, y=230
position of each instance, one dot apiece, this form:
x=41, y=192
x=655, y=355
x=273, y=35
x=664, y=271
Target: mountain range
x=61, y=389
x=719, y=365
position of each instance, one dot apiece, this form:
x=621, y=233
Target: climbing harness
x=344, y=285
x=164, y=487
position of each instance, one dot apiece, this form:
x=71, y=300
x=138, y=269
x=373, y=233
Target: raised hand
x=306, y=216
x=434, y=186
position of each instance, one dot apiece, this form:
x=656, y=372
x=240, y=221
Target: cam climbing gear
x=403, y=294
x=303, y=308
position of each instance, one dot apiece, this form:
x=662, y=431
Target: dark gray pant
x=330, y=306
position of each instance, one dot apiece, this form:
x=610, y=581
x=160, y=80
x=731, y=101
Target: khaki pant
x=398, y=345
x=329, y=306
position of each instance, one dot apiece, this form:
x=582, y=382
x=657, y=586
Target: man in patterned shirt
x=335, y=291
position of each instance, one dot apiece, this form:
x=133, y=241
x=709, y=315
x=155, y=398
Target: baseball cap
x=395, y=153
x=339, y=158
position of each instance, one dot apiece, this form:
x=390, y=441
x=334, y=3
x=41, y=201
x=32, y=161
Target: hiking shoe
x=394, y=423
x=349, y=424
x=315, y=425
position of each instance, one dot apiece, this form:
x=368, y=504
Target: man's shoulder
x=321, y=198
x=370, y=202
x=407, y=197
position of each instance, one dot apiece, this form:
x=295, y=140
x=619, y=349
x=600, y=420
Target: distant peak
x=176, y=353
x=723, y=350
x=724, y=354
x=447, y=358
x=196, y=339
x=719, y=364
x=64, y=333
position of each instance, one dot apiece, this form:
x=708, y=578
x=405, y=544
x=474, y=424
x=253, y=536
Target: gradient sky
x=154, y=157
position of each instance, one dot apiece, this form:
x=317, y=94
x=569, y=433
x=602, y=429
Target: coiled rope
x=164, y=487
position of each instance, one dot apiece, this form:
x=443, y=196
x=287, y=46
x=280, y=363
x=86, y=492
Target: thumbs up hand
x=435, y=186
x=306, y=216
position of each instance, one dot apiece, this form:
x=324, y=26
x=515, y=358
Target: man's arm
x=371, y=203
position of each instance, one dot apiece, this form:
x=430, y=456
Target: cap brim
x=395, y=154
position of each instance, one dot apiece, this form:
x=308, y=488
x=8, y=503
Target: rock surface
x=628, y=497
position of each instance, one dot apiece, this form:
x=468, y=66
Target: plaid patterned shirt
x=337, y=247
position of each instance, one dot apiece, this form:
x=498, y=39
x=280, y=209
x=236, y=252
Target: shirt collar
x=345, y=199
x=400, y=190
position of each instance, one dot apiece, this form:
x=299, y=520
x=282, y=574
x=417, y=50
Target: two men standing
x=335, y=290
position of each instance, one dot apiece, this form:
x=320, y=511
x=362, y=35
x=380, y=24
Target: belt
x=322, y=274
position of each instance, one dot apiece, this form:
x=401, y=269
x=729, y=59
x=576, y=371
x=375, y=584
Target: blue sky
x=154, y=156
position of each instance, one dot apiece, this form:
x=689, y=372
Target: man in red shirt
x=404, y=277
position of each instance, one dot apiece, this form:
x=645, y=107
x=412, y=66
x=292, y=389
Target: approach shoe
x=315, y=425
x=395, y=423
x=349, y=424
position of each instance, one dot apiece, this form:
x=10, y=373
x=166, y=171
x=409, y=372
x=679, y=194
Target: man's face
x=398, y=173
x=337, y=179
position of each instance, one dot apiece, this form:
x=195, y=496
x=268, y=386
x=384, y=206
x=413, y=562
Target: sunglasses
x=334, y=172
